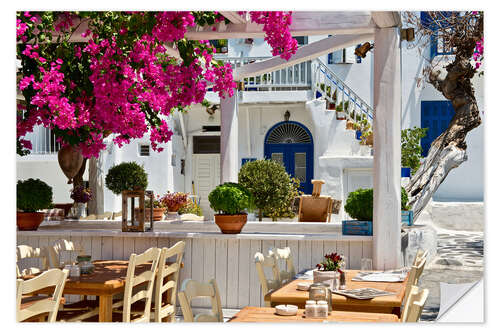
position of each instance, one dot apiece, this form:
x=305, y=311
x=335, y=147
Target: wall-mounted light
x=287, y=115
x=362, y=50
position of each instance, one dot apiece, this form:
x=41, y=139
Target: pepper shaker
x=311, y=309
x=322, y=309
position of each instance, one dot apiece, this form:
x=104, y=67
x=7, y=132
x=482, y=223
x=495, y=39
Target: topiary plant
x=33, y=195
x=230, y=199
x=359, y=204
x=126, y=176
x=271, y=186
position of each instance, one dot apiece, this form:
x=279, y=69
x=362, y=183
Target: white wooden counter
x=209, y=253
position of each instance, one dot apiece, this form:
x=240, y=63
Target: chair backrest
x=60, y=246
x=28, y=252
x=193, y=289
x=315, y=209
x=421, y=254
x=51, y=278
x=413, y=278
x=280, y=277
x=130, y=296
x=416, y=302
x=172, y=272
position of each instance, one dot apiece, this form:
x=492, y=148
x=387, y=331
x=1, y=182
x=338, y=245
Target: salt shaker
x=322, y=309
x=311, y=309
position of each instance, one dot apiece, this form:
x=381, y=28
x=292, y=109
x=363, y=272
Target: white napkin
x=382, y=277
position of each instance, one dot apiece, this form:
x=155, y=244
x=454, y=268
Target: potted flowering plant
x=81, y=196
x=174, y=201
x=329, y=268
x=158, y=208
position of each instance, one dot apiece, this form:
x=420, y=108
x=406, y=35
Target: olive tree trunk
x=448, y=151
x=96, y=181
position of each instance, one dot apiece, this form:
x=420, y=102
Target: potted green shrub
x=32, y=195
x=271, y=186
x=411, y=150
x=359, y=205
x=406, y=212
x=126, y=176
x=230, y=201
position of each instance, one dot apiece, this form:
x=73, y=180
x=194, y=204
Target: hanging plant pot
x=341, y=115
x=70, y=160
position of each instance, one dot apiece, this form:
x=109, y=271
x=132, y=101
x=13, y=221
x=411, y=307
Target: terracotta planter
x=29, y=221
x=349, y=125
x=157, y=213
x=320, y=276
x=230, y=224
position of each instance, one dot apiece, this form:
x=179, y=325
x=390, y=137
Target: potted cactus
x=230, y=200
x=32, y=195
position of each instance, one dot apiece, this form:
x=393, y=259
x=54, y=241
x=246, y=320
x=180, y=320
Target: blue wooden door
x=436, y=116
x=290, y=144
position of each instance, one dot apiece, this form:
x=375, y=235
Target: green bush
x=411, y=151
x=272, y=188
x=230, y=199
x=126, y=176
x=359, y=204
x=190, y=208
x=33, y=195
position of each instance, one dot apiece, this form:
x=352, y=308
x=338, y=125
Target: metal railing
x=43, y=141
x=330, y=86
x=296, y=77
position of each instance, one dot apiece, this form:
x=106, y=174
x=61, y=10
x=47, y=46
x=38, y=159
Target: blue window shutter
x=436, y=116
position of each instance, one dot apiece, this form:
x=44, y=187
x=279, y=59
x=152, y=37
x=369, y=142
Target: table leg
x=105, y=308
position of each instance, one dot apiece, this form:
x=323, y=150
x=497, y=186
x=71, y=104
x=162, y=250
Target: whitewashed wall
x=227, y=259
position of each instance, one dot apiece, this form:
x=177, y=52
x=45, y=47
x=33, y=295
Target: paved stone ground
x=459, y=259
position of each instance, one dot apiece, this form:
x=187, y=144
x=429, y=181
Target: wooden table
x=250, y=314
x=288, y=294
x=107, y=280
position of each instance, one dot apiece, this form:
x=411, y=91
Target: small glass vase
x=80, y=210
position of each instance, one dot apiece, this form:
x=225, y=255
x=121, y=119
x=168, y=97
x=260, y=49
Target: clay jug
x=70, y=160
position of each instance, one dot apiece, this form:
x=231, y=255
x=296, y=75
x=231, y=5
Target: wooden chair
x=416, y=302
x=60, y=246
x=280, y=277
x=51, y=278
x=165, y=306
x=315, y=207
x=193, y=289
x=413, y=279
x=134, y=292
x=24, y=252
x=170, y=287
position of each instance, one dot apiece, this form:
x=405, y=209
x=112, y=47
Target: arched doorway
x=290, y=143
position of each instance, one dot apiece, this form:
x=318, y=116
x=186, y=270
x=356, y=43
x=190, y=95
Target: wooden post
x=229, y=138
x=387, y=150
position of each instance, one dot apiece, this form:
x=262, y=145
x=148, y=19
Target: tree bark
x=96, y=205
x=448, y=151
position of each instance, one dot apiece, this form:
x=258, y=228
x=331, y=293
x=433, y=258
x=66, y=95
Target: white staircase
x=330, y=85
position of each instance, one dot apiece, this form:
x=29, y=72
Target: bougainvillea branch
x=122, y=80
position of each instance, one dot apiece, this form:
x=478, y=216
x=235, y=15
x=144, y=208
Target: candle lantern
x=137, y=221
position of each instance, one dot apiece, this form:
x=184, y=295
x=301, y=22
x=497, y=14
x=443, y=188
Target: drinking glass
x=366, y=264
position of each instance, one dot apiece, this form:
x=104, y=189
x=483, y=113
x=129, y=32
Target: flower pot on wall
x=318, y=94
x=157, y=213
x=29, y=221
x=320, y=276
x=349, y=125
x=230, y=224
x=407, y=217
x=341, y=115
x=358, y=135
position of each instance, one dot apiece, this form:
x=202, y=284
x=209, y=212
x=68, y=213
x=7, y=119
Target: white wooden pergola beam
x=303, y=24
x=304, y=53
x=234, y=17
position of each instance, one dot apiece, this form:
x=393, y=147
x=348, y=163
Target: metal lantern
x=137, y=214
